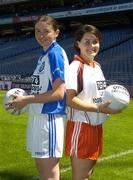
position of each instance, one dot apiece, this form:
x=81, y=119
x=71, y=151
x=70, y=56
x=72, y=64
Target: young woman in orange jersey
x=85, y=87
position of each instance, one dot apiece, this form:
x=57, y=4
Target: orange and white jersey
x=94, y=85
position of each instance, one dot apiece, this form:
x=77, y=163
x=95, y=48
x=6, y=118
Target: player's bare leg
x=48, y=168
x=81, y=168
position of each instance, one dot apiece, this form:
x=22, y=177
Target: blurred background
x=19, y=50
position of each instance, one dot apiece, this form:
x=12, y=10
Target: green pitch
x=115, y=163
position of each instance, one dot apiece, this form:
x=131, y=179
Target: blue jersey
x=52, y=64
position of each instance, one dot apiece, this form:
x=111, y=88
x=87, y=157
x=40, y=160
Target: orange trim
x=78, y=58
x=80, y=77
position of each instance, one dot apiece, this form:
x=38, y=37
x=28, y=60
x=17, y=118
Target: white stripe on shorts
x=75, y=135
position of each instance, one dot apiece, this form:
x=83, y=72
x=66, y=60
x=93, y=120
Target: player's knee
x=81, y=176
x=49, y=175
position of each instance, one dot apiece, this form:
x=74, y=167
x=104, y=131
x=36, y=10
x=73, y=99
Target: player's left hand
x=18, y=102
x=104, y=108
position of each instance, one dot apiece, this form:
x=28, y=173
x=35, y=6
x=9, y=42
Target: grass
x=17, y=164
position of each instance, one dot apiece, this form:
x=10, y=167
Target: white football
x=118, y=95
x=8, y=98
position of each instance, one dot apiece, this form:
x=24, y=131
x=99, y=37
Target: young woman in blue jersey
x=47, y=109
x=84, y=97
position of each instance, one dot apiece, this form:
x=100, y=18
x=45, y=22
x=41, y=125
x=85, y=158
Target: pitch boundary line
x=113, y=156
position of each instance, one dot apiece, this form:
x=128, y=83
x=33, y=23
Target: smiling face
x=45, y=33
x=87, y=42
x=89, y=46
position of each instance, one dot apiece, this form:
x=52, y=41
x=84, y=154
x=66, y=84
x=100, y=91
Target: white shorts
x=45, y=135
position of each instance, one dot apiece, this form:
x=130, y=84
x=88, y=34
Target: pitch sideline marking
x=113, y=156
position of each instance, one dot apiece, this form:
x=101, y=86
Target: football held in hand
x=118, y=95
x=10, y=95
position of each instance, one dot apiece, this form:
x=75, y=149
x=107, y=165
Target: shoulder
x=57, y=53
x=56, y=49
x=73, y=67
x=74, y=63
x=97, y=64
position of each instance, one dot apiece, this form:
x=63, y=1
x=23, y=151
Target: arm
x=76, y=103
x=56, y=93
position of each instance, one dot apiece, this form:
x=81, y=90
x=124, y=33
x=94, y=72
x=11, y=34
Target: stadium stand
x=17, y=47
x=19, y=53
x=115, y=55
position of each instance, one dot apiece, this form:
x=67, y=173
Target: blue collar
x=50, y=47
